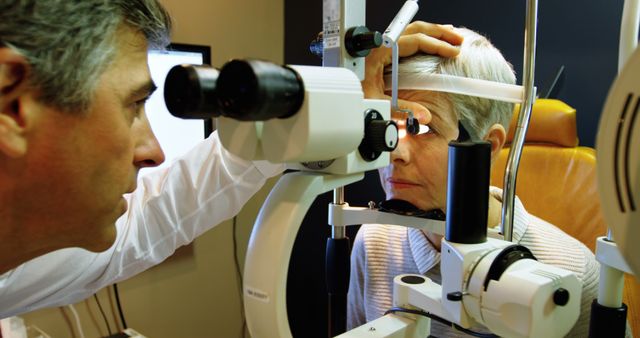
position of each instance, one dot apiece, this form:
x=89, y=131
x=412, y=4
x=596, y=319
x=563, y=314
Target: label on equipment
x=257, y=294
x=331, y=23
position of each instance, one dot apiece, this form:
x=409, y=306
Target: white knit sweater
x=381, y=252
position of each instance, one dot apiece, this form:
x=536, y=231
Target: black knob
x=360, y=40
x=561, y=297
x=316, y=46
x=454, y=296
x=413, y=279
x=412, y=126
x=381, y=135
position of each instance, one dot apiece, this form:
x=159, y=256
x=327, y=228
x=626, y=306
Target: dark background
x=582, y=36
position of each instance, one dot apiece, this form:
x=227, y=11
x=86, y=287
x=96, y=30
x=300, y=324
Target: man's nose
x=148, y=152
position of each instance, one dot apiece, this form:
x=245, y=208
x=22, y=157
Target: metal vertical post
x=511, y=172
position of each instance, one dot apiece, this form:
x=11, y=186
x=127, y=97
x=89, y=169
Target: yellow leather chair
x=557, y=182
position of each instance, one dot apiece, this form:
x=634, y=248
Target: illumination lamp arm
x=513, y=161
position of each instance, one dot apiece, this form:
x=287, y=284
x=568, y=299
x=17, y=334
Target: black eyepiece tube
x=190, y=92
x=468, y=192
x=254, y=90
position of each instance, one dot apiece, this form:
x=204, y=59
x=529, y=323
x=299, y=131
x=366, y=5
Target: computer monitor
x=176, y=136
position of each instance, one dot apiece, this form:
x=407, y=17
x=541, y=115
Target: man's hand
x=419, y=36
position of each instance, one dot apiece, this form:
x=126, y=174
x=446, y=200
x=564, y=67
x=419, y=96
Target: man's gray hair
x=478, y=59
x=70, y=43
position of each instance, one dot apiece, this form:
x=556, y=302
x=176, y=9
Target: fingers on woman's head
x=442, y=32
x=418, y=42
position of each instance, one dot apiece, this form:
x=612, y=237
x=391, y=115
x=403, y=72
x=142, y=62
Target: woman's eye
x=414, y=128
x=424, y=129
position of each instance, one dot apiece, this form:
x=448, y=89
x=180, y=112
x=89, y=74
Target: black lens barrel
x=255, y=90
x=190, y=92
x=245, y=90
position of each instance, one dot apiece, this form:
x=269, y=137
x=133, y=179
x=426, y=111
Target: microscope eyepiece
x=254, y=90
x=190, y=92
x=245, y=90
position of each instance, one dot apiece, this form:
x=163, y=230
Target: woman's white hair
x=478, y=59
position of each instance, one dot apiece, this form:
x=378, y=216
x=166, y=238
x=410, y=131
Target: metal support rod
x=611, y=285
x=338, y=232
x=511, y=172
x=394, y=77
x=338, y=266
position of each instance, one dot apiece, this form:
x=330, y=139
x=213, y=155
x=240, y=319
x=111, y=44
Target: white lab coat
x=169, y=209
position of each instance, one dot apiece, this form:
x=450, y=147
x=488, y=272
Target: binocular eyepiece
x=245, y=90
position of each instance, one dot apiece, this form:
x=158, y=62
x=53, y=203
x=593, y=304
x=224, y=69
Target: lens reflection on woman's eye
x=416, y=129
x=423, y=129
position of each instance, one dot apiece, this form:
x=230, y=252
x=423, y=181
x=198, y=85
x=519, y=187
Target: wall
x=195, y=293
x=233, y=29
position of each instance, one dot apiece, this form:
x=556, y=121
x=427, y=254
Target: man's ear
x=14, y=69
x=496, y=136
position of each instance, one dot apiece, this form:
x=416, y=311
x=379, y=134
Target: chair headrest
x=552, y=122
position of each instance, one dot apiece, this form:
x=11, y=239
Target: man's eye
x=138, y=106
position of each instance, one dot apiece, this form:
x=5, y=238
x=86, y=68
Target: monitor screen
x=176, y=136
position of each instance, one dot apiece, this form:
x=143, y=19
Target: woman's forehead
x=438, y=105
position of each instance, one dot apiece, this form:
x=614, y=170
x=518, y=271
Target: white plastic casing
x=329, y=124
x=618, y=148
x=520, y=303
x=426, y=296
x=458, y=260
x=353, y=162
x=270, y=246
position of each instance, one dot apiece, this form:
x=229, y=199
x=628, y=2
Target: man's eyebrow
x=144, y=90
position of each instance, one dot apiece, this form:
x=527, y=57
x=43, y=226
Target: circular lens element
x=190, y=92
x=253, y=90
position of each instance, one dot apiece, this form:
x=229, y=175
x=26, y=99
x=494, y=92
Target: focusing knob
x=561, y=297
x=382, y=135
x=379, y=136
x=360, y=40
